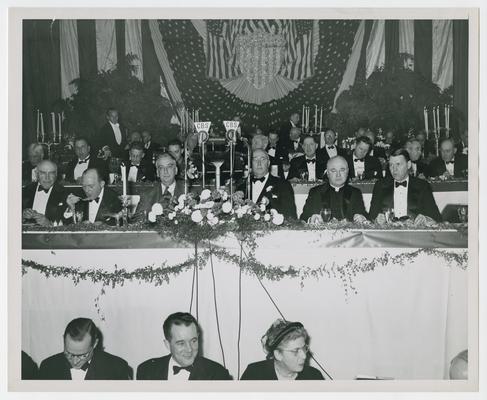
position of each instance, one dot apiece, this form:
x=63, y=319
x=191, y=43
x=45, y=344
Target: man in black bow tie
x=83, y=357
x=83, y=161
x=343, y=200
x=418, y=166
x=310, y=166
x=449, y=163
x=44, y=201
x=182, y=338
x=98, y=203
x=408, y=196
x=138, y=168
x=360, y=163
x=329, y=148
x=111, y=140
x=277, y=154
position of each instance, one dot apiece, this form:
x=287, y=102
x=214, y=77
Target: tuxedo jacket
x=299, y=165
x=373, y=167
x=437, y=166
x=146, y=171
x=420, y=198
x=421, y=168
x=110, y=204
x=93, y=162
x=106, y=137
x=264, y=371
x=319, y=198
x=325, y=156
x=203, y=370
x=103, y=366
x=154, y=195
x=280, y=194
x=56, y=204
x=29, y=367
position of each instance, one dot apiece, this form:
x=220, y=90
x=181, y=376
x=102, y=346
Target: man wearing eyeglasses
x=182, y=335
x=83, y=357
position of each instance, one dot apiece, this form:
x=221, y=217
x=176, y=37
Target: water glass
x=389, y=214
x=325, y=214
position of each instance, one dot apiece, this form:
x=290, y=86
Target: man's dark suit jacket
x=93, y=162
x=27, y=168
x=103, y=366
x=203, y=370
x=325, y=156
x=154, y=195
x=373, y=168
x=146, y=171
x=437, y=166
x=280, y=194
x=56, y=204
x=421, y=168
x=106, y=137
x=299, y=165
x=29, y=367
x=319, y=198
x=420, y=198
x=110, y=204
x=264, y=371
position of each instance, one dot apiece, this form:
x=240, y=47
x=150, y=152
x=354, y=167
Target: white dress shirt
x=33, y=174
x=40, y=200
x=94, y=206
x=78, y=374
x=81, y=167
x=450, y=167
x=132, y=177
x=358, y=166
x=271, y=152
x=182, y=375
x=311, y=169
x=257, y=188
x=332, y=152
x=401, y=200
x=116, y=130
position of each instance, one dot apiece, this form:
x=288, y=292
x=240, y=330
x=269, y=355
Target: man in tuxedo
x=110, y=140
x=35, y=156
x=44, y=201
x=329, y=148
x=285, y=130
x=408, y=196
x=149, y=145
x=450, y=163
x=310, y=165
x=166, y=191
x=97, y=202
x=418, y=166
x=138, y=169
x=83, y=161
x=278, y=193
x=343, y=200
x=360, y=163
x=293, y=145
x=277, y=153
x=83, y=358
x=182, y=338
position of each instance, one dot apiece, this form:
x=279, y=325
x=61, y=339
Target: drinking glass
x=389, y=214
x=325, y=214
x=78, y=217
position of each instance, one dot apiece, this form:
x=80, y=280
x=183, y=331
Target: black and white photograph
x=244, y=197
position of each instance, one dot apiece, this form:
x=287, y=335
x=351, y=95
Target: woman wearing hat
x=286, y=345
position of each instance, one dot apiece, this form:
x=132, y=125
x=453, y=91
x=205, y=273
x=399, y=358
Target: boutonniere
x=269, y=188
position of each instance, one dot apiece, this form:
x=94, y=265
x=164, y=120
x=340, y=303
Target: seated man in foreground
x=83, y=357
x=408, y=197
x=44, y=201
x=182, y=337
x=343, y=201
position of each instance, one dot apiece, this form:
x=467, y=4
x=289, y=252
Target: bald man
x=43, y=201
x=344, y=201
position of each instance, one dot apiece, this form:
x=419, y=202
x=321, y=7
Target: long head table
x=380, y=303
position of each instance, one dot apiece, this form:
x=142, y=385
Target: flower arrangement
x=212, y=214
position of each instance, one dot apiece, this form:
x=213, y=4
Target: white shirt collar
x=182, y=375
x=337, y=188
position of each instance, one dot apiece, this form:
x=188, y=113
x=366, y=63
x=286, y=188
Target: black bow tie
x=97, y=199
x=312, y=161
x=357, y=160
x=133, y=165
x=403, y=183
x=85, y=366
x=272, y=147
x=258, y=179
x=450, y=162
x=41, y=189
x=84, y=161
x=176, y=369
x=331, y=147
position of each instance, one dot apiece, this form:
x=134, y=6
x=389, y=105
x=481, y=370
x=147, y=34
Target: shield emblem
x=260, y=56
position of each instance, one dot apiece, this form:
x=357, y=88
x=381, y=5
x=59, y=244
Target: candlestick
x=53, y=121
x=186, y=167
x=316, y=118
x=123, y=171
x=434, y=121
x=42, y=128
x=60, y=125
x=303, y=120
x=438, y=119
x=38, y=125
x=321, y=117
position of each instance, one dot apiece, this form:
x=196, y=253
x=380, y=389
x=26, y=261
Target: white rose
x=171, y=215
x=278, y=219
x=257, y=217
x=157, y=208
x=175, y=222
x=262, y=207
x=151, y=216
x=196, y=216
x=240, y=213
x=273, y=211
x=181, y=199
x=210, y=215
x=267, y=217
x=213, y=221
x=226, y=207
x=205, y=195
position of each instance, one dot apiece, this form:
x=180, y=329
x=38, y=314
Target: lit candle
x=321, y=117
x=434, y=121
x=38, y=123
x=53, y=121
x=425, y=112
x=42, y=128
x=316, y=118
x=303, y=120
x=60, y=125
x=123, y=171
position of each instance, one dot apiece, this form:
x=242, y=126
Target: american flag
x=221, y=50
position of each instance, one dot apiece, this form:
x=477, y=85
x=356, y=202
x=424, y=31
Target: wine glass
x=325, y=214
x=78, y=217
x=389, y=214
